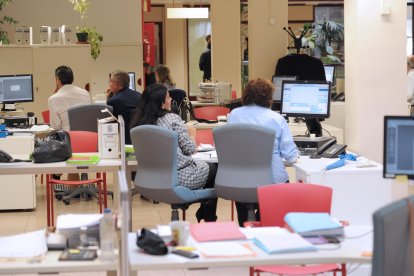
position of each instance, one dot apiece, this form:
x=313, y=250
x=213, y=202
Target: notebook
x=285, y=243
x=83, y=160
x=314, y=224
x=216, y=231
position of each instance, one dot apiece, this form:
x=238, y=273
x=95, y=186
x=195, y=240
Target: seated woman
x=163, y=76
x=154, y=108
x=257, y=100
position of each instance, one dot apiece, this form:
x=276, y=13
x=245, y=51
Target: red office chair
x=46, y=116
x=81, y=141
x=275, y=201
x=210, y=112
x=204, y=136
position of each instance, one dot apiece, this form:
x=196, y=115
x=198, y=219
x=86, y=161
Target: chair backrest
x=244, y=153
x=179, y=104
x=276, y=200
x=210, y=112
x=204, y=136
x=392, y=253
x=84, y=117
x=156, y=152
x=46, y=116
x=83, y=141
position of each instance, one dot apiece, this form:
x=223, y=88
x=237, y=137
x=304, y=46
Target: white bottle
x=107, y=237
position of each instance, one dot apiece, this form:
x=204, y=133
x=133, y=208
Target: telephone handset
x=5, y=157
x=330, y=149
x=340, y=97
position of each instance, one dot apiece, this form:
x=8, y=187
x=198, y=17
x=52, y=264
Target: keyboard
x=307, y=151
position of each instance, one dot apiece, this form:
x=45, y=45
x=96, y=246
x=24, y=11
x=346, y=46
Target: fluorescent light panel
x=187, y=13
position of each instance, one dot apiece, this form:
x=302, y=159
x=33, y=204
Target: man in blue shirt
x=122, y=99
x=257, y=99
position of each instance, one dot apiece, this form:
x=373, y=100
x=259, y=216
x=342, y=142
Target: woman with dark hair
x=155, y=109
x=257, y=99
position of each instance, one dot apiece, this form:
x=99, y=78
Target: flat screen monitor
x=398, y=146
x=308, y=99
x=131, y=80
x=16, y=88
x=330, y=73
x=277, y=82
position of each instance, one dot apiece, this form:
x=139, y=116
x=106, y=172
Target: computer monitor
x=131, y=80
x=16, y=89
x=398, y=146
x=277, y=82
x=308, y=99
x=330, y=73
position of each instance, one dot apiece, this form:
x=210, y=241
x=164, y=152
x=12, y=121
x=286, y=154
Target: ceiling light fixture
x=185, y=13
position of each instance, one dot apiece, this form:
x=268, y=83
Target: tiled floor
x=144, y=214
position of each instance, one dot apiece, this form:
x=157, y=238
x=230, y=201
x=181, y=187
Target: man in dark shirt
x=205, y=60
x=123, y=99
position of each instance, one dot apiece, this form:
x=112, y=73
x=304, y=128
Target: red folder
x=216, y=231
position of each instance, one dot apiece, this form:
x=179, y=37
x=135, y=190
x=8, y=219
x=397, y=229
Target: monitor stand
x=8, y=107
x=314, y=126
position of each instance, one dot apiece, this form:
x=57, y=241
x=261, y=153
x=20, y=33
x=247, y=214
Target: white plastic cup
x=180, y=231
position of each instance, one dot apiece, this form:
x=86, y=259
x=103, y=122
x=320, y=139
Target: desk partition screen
x=398, y=146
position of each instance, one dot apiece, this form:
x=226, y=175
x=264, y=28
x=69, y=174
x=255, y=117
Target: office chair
x=275, y=201
x=204, y=136
x=46, y=116
x=179, y=103
x=81, y=141
x=157, y=174
x=210, y=113
x=394, y=239
x=84, y=118
x=244, y=152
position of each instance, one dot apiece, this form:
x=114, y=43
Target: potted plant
x=85, y=34
x=4, y=37
x=324, y=40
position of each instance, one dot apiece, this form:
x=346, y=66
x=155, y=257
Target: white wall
x=119, y=23
x=375, y=72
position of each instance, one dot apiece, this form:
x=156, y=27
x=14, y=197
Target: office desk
x=350, y=251
x=105, y=165
x=357, y=192
x=295, y=129
x=198, y=104
x=51, y=264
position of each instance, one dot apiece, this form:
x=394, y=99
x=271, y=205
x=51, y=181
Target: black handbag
x=54, y=148
x=151, y=243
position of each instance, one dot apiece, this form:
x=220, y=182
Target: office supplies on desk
x=216, y=231
x=83, y=160
x=205, y=147
x=225, y=250
x=78, y=255
x=291, y=242
x=25, y=245
x=313, y=224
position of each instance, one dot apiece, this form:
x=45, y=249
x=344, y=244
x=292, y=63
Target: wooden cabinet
x=17, y=191
x=41, y=61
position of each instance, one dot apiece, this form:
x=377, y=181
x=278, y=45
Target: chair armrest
x=252, y=224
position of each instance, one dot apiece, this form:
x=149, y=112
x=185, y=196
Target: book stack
x=314, y=224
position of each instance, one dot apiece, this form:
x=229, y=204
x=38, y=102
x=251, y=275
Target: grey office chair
x=394, y=239
x=244, y=153
x=157, y=174
x=84, y=118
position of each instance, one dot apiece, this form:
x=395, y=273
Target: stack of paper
x=225, y=250
x=70, y=225
x=314, y=224
x=284, y=243
x=205, y=147
x=216, y=231
x=27, y=245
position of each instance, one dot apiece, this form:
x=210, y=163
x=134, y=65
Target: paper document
x=216, y=231
x=27, y=245
x=290, y=242
x=73, y=221
x=252, y=232
x=225, y=249
x=205, y=147
x=313, y=224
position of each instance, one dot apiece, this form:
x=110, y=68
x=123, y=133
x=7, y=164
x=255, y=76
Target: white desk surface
x=197, y=103
x=350, y=251
x=51, y=264
x=56, y=167
x=198, y=125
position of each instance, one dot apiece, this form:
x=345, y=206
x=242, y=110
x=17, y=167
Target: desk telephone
x=5, y=157
x=329, y=150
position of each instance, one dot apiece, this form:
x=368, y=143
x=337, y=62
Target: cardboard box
x=108, y=138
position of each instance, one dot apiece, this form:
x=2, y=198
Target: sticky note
x=401, y=178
